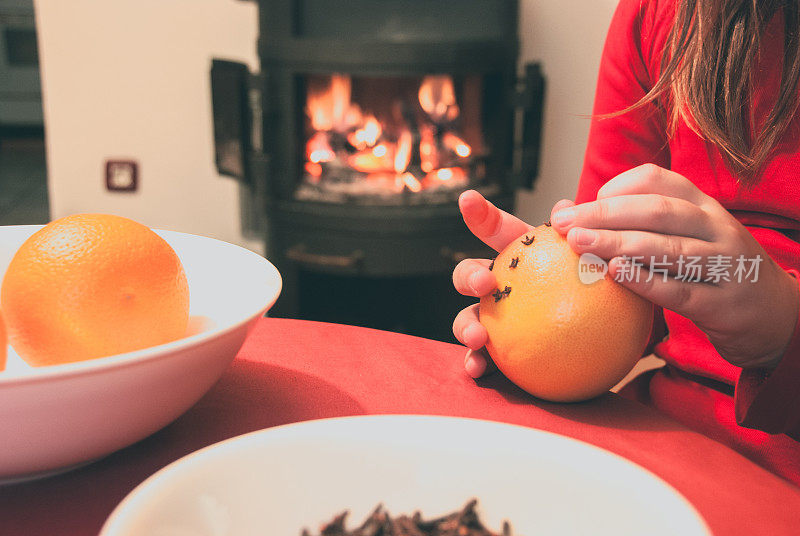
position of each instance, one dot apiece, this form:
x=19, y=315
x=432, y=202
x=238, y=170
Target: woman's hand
x=472, y=277
x=660, y=218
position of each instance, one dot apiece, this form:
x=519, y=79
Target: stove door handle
x=232, y=118
x=300, y=254
x=531, y=100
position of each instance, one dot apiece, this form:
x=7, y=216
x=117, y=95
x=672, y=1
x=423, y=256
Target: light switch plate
x=122, y=175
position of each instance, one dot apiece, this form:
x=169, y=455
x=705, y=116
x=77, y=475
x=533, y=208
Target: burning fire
x=319, y=149
x=410, y=181
x=445, y=176
x=403, y=155
x=331, y=109
x=438, y=98
x=456, y=144
x=418, y=148
x=367, y=135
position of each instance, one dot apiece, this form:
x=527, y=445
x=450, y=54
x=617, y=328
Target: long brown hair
x=706, y=77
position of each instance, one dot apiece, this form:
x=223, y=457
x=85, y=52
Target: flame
x=352, y=118
x=411, y=182
x=438, y=98
x=366, y=136
x=456, y=144
x=329, y=108
x=314, y=169
x=340, y=95
x=448, y=177
x=380, y=158
x=319, y=149
x=453, y=112
x=428, y=152
x=370, y=162
x=403, y=154
x=444, y=174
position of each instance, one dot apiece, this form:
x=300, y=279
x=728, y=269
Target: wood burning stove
x=368, y=119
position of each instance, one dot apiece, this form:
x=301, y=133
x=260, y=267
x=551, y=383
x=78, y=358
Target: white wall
x=130, y=79
x=567, y=36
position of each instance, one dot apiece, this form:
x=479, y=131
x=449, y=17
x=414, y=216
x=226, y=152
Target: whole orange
x=553, y=335
x=93, y=285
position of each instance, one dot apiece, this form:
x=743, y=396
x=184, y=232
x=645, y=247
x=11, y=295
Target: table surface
x=292, y=370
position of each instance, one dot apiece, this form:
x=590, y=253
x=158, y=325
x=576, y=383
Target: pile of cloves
x=464, y=522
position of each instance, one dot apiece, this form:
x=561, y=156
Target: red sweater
x=756, y=412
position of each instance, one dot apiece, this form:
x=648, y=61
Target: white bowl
x=281, y=480
x=54, y=418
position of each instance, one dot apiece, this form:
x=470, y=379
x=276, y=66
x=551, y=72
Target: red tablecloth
x=291, y=370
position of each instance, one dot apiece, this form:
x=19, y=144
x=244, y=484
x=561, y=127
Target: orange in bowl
x=120, y=399
x=553, y=334
x=93, y=285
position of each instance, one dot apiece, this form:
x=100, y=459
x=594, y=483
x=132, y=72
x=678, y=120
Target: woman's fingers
x=651, y=179
x=564, y=203
x=477, y=363
x=640, y=212
x=663, y=253
x=472, y=277
x=494, y=227
x=689, y=298
x=468, y=329
x=471, y=333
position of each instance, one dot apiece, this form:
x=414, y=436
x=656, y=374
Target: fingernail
x=563, y=217
x=472, y=282
x=468, y=336
x=585, y=237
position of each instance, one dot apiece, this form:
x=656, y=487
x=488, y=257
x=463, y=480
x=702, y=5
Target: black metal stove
x=368, y=119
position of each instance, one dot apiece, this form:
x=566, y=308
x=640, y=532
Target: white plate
x=281, y=480
x=53, y=418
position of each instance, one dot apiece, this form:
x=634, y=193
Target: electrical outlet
x=122, y=175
